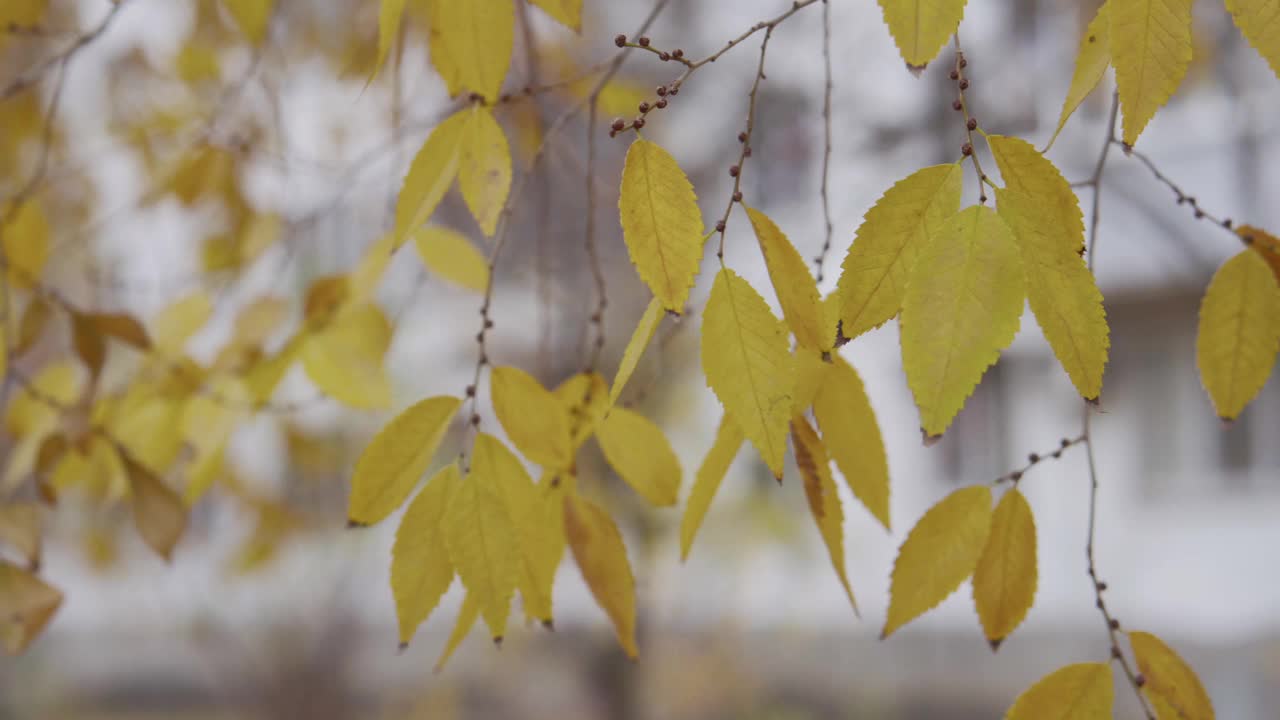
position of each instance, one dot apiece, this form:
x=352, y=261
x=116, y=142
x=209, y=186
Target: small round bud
x=734, y=170
x=1199, y=213
x=639, y=123
x=471, y=391
x=662, y=102
x=1033, y=457
x=644, y=41
x=475, y=420
x=955, y=75
x=644, y=107
x=972, y=124
x=675, y=90
x=613, y=133
x=742, y=137
x=661, y=91
x=677, y=53
x=618, y=125
x=1226, y=223
x=1066, y=442
x=966, y=149
x=1102, y=586
x=963, y=63
x=620, y=40
x=957, y=106
x=1016, y=475
x=664, y=56
x=1140, y=680
x=480, y=336
x=1115, y=624
x=964, y=84
x=737, y=196
x=719, y=226
x=1115, y=653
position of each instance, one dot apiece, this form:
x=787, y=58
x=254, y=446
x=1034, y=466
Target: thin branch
x=970, y=123
x=745, y=139
x=1181, y=196
x=1112, y=624
x=826, y=136
x=1033, y=459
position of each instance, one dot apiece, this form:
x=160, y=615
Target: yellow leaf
x=35, y=318
x=1264, y=243
x=467, y=616
x=390, y=13
x=1239, y=332
x=22, y=12
x=661, y=223
x=158, y=512
x=20, y=529
x=547, y=548
x=824, y=500
x=533, y=536
x=1151, y=51
x=1259, y=22
x=484, y=171
x=1004, y=583
x=602, y=557
x=197, y=62
x=921, y=27
x=431, y=172
x=711, y=473
x=1083, y=691
x=28, y=412
x=481, y=541
x=26, y=605
x=640, y=454
x=748, y=365
x=252, y=16
x=258, y=320
x=1027, y=171
x=796, y=288
x=810, y=370
x=122, y=327
x=364, y=279
x=1171, y=685
x=565, y=12
x=585, y=398
x=939, y=553
x=1092, y=61
x=962, y=307
x=851, y=433
x=640, y=338
x=471, y=44
x=896, y=230
x=345, y=359
x=175, y=325
x=451, y=255
x=1063, y=293
x=396, y=458
x=421, y=571
x=26, y=244
x=534, y=418
x=326, y=295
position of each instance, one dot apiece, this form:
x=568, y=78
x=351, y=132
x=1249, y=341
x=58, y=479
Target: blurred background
x=287, y=163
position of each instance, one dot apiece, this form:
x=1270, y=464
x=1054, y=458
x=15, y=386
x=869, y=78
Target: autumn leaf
x=796, y=288
x=421, y=571
x=25, y=239
x=23, y=12
x=921, y=27
x=824, y=499
x=449, y=254
x=661, y=223
x=851, y=433
x=640, y=338
x=940, y=552
x=481, y=542
x=639, y=452
x=534, y=418
x=174, y=326
x=27, y=604
x=1171, y=685
x=962, y=307
x=158, y=512
x=1239, y=332
x=484, y=170
x=1151, y=51
x=344, y=359
x=468, y=614
x=1084, y=691
x=1264, y=243
x=875, y=271
x=1004, y=583
x=1092, y=60
x=253, y=17
x=431, y=172
x=748, y=364
x=396, y=458
x=471, y=44
x=602, y=557
x=710, y=474
x=585, y=397
x=390, y=13
x=565, y=12
x=1259, y=22
x=20, y=528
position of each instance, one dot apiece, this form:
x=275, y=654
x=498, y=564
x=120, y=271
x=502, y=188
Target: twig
x=826, y=136
x=1112, y=624
x=1033, y=459
x=961, y=105
x=1182, y=197
x=745, y=139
